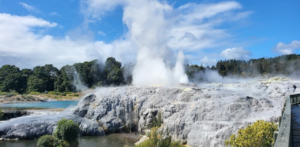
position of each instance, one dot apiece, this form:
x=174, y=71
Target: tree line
x=49, y=78
x=94, y=73
x=288, y=65
x=281, y=65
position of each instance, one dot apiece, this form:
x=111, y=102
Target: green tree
x=63, y=82
x=258, y=134
x=42, y=79
x=15, y=82
x=90, y=72
x=35, y=84
x=113, y=72
x=11, y=79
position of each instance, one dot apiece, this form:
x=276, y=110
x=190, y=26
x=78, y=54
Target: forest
x=112, y=73
x=48, y=78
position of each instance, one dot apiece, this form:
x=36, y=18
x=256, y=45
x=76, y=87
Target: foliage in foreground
x=156, y=122
x=1, y=114
x=258, y=134
x=45, y=141
x=65, y=135
x=156, y=140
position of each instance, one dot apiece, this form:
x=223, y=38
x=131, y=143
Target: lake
x=39, y=105
x=113, y=140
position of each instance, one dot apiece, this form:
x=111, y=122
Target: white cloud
x=206, y=61
x=54, y=14
x=96, y=9
x=190, y=27
x=236, y=53
x=22, y=46
x=287, y=48
x=101, y=33
x=29, y=7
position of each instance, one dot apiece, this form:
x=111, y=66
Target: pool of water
x=39, y=105
x=113, y=140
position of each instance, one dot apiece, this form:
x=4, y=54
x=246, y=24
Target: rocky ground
x=4, y=99
x=22, y=99
x=198, y=116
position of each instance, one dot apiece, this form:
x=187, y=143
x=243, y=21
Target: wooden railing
x=283, y=137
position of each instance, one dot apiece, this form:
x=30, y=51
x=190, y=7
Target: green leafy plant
x=156, y=140
x=45, y=141
x=65, y=135
x=258, y=134
x=156, y=122
x=66, y=130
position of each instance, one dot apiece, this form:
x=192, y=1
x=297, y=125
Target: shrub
x=1, y=114
x=57, y=93
x=53, y=92
x=3, y=93
x=34, y=93
x=66, y=130
x=156, y=140
x=45, y=141
x=65, y=135
x=156, y=121
x=258, y=134
x=11, y=93
x=29, y=97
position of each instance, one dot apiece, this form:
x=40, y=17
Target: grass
x=61, y=95
x=9, y=94
x=162, y=143
x=50, y=94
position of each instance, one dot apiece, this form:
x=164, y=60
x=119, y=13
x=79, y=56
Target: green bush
x=28, y=97
x=53, y=92
x=11, y=93
x=65, y=135
x=66, y=130
x=45, y=141
x=258, y=134
x=156, y=140
x=1, y=114
x=57, y=93
x=3, y=93
x=34, y=93
x=156, y=122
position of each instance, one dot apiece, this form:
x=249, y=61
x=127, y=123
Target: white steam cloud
x=287, y=48
x=147, y=33
x=236, y=53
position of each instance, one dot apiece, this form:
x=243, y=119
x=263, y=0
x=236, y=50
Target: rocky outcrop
x=32, y=127
x=8, y=114
x=203, y=116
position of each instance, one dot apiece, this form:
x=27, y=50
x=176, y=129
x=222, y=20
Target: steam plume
x=148, y=35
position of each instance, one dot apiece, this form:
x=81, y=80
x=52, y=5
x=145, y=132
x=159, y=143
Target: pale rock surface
x=202, y=116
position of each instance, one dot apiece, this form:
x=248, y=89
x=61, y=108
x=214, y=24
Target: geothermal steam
x=154, y=58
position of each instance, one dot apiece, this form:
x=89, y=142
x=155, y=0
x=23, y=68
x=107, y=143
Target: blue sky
x=36, y=32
